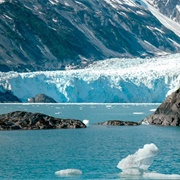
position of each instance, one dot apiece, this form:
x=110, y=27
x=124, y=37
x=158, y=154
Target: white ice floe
x=86, y=122
x=138, y=113
x=68, y=172
x=140, y=161
x=154, y=175
x=137, y=164
x=152, y=110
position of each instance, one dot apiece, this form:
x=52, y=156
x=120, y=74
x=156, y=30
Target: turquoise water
x=96, y=150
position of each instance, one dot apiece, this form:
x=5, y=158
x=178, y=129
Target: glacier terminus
x=108, y=81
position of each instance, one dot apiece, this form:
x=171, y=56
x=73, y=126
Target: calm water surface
x=96, y=150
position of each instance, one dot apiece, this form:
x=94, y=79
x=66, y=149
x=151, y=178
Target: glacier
x=113, y=80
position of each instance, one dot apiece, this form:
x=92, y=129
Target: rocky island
x=27, y=120
x=168, y=113
x=118, y=123
x=41, y=98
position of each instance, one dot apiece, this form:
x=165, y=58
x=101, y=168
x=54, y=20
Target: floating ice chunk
x=68, y=172
x=58, y=113
x=138, y=112
x=152, y=110
x=154, y=175
x=145, y=123
x=140, y=161
x=86, y=122
x=108, y=106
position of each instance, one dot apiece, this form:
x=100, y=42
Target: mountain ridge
x=57, y=35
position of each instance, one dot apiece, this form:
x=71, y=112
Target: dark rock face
x=8, y=97
x=119, y=123
x=168, y=113
x=41, y=98
x=52, y=35
x=27, y=120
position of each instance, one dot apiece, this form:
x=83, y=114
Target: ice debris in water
x=86, y=122
x=68, y=172
x=140, y=161
x=154, y=175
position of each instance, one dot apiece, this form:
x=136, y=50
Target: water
x=96, y=150
x=93, y=112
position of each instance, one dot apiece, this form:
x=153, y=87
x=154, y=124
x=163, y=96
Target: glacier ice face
x=111, y=80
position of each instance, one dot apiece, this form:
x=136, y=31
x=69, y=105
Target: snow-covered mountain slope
x=170, y=22
x=112, y=80
x=170, y=8
x=56, y=34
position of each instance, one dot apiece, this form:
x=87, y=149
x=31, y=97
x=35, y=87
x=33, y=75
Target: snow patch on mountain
x=119, y=3
x=178, y=8
x=2, y=1
x=111, y=80
x=167, y=22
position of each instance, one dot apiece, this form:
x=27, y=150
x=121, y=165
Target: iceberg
x=68, y=172
x=117, y=80
x=137, y=164
x=140, y=161
x=86, y=122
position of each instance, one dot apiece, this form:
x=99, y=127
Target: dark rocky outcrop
x=26, y=120
x=8, y=97
x=41, y=98
x=168, y=113
x=118, y=123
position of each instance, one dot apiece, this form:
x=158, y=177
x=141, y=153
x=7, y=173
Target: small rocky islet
x=21, y=120
x=118, y=123
x=167, y=114
x=41, y=98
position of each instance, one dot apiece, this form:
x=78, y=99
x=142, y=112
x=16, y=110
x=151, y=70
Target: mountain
x=59, y=34
x=115, y=80
x=170, y=8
